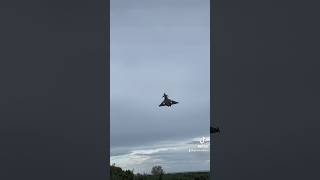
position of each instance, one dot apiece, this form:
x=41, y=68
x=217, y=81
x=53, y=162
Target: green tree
x=157, y=171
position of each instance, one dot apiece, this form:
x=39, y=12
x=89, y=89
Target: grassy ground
x=118, y=174
x=180, y=176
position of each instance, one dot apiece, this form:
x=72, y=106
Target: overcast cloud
x=159, y=46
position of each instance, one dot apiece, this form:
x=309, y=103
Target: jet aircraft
x=214, y=130
x=167, y=102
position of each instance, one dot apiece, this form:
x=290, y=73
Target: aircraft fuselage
x=167, y=102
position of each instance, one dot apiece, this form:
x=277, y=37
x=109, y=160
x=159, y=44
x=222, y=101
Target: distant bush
x=138, y=177
x=117, y=173
x=157, y=170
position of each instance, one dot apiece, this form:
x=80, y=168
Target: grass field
x=179, y=176
x=118, y=174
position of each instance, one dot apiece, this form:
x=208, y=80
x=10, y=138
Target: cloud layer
x=173, y=156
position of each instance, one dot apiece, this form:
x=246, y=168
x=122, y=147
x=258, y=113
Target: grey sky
x=159, y=46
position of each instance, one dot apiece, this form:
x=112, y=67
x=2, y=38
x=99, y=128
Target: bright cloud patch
x=172, y=156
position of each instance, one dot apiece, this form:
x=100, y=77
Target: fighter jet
x=214, y=130
x=167, y=102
